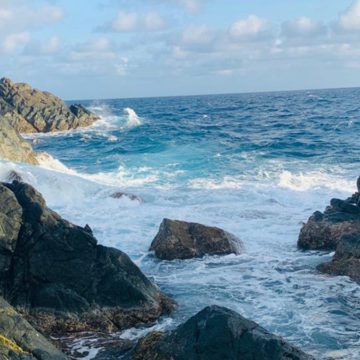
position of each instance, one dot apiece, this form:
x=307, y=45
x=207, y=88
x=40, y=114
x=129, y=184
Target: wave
x=132, y=118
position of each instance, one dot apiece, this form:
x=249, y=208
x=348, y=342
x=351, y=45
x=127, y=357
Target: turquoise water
x=256, y=165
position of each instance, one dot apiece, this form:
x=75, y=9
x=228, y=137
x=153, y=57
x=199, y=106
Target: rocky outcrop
x=12, y=146
x=217, y=333
x=346, y=260
x=183, y=240
x=30, y=110
x=323, y=231
x=338, y=228
x=60, y=279
x=121, y=195
x=20, y=341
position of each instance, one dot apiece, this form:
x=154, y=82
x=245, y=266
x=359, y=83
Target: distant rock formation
x=182, y=240
x=217, y=333
x=12, y=146
x=30, y=110
x=60, y=278
x=337, y=228
x=20, y=341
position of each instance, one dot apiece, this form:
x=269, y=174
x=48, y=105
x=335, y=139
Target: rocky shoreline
x=57, y=282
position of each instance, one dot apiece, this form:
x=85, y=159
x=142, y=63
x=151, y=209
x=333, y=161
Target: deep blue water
x=256, y=165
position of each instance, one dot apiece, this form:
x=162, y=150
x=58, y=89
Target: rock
x=20, y=341
x=12, y=146
x=183, y=240
x=30, y=110
x=338, y=228
x=61, y=279
x=13, y=175
x=119, y=195
x=346, y=260
x=323, y=231
x=217, y=333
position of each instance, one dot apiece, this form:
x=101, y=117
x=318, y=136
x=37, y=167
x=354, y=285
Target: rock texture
x=338, y=228
x=12, y=146
x=20, y=341
x=30, y=110
x=217, y=333
x=183, y=240
x=60, y=279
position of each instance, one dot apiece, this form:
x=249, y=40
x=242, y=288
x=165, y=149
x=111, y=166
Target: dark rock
x=30, y=110
x=323, y=231
x=12, y=146
x=217, y=333
x=88, y=229
x=63, y=278
x=20, y=341
x=338, y=228
x=119, y=195
x=183, y=240
x=346, y=260
x=13, y=175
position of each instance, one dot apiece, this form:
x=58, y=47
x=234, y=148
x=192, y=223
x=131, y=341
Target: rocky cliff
x=30, y=110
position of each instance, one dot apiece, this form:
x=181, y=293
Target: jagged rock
x=119, y=195
x=13, y=175
x=338, y=228
x=30, y=110
x=12, y=146
x=20, y=341
x=217, y=333
x=182, y=240
x=61, y=279
x=346, y=260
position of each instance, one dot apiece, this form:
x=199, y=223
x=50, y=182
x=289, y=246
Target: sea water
x=256, y=165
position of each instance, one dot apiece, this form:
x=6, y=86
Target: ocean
x=257, y=165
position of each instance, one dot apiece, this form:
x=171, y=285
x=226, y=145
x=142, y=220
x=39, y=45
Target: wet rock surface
x=182, y=240
x=20, y=341
x=217, y=333
x=338, y=228
x=61, y=279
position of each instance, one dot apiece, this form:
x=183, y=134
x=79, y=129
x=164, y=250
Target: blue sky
x=114, y=48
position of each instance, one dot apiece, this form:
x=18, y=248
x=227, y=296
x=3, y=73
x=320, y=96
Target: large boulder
x=12, y=146
x=217, y=333
x=182, y=240
x=20, y=341
x=338, y=228
x=30, y=110
x=57, y=275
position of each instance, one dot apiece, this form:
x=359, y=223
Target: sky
x=96, y=49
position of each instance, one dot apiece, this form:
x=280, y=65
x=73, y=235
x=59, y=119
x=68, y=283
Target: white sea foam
x=133, y=119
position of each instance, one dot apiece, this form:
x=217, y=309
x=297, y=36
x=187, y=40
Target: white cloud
x=125, y=21
x=253, y=27
x=197, y=35
x=133, y=22
x=153, y=21
x=12, y=42
x=350, y=19
x=303, y=27
x=192, y=6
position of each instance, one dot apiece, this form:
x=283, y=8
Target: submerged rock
x=182, y=240
x=217, y=333
x=338, y=228
x=61, y=278
x=30, y=110
x=12, y=146
x=120, y=195
x=20, y=341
